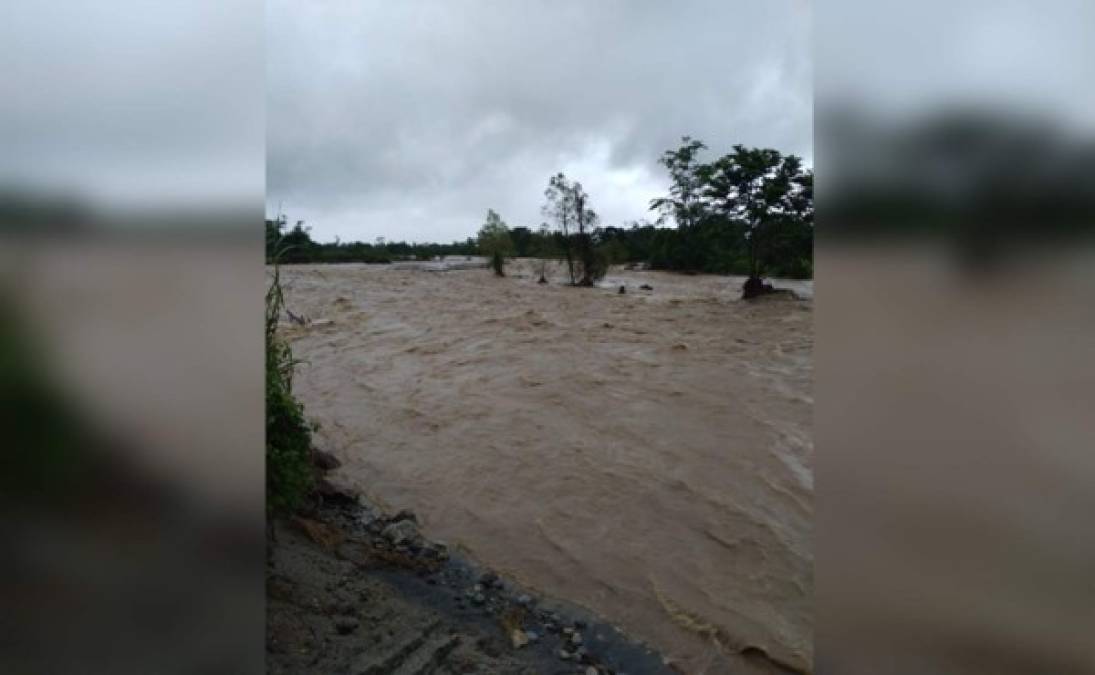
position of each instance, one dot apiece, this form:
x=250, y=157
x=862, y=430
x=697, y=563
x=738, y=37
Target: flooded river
x=647, y=455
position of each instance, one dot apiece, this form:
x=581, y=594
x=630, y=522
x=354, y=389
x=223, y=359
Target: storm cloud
x=409, y=120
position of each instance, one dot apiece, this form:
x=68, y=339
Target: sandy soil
x=646, y=455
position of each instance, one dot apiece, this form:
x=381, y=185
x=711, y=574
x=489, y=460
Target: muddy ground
x=353, y=590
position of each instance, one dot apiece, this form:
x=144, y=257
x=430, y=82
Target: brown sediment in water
x=631, y=453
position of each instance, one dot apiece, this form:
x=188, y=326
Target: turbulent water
x=647, y=454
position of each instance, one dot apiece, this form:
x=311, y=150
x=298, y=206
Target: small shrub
x=594, y=266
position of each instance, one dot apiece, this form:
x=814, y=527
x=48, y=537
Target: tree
x=293, y=246
x=685, y=201
x=522, y=240
x=568, y=205
x=592, y=263
x=764, y=192
x=560, y=208
x=494, y=242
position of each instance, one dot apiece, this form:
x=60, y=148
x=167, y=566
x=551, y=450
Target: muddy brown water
x=646, y=455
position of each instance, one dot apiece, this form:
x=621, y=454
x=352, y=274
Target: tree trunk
x=754, y=268
x=566, y=250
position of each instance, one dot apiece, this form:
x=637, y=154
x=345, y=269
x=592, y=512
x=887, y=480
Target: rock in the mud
x=404, y=514
x=518, y=638
x=346, y=625
x=400, y=532
x=436, y=550
x=623, y=289
x=646, y=287
x=324, y=460
x=333, y=494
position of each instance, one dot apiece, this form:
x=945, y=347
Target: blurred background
x=955, y=353
x=131, y=193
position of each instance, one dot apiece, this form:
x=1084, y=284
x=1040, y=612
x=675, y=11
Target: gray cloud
x=409, y=120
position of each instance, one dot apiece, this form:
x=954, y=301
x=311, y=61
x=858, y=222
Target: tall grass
x=288, y=437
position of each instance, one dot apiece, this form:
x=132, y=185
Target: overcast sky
x=408, y=120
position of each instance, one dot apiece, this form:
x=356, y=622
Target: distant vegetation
x=749, y=212
x=296, y=246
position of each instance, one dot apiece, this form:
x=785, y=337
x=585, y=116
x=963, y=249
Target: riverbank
x=351, y=589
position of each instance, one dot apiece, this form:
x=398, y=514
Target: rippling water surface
x=648, y=455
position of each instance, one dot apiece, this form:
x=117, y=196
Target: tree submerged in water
x=750, y=211
x=495, y=242
x=767, y=193
x=568, y=205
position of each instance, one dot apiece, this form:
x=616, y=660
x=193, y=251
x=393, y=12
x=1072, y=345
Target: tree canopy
x=750, y=212
x=494, y=236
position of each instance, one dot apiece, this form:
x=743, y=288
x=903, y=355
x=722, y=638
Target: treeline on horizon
x=749, y=212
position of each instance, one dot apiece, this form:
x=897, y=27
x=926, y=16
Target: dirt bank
x=352, y=590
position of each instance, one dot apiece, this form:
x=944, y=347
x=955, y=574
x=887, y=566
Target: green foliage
x=494, y=241
x=524, y=240
x=684, y=200
x=288, y=436
x=749, y=212
x=763, y=191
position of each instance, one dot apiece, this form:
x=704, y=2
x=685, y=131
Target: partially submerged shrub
x=495, y=242
x=593, y=265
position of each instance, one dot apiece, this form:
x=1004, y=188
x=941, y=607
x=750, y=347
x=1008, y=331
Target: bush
x=288, y=437
x=594, y=266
